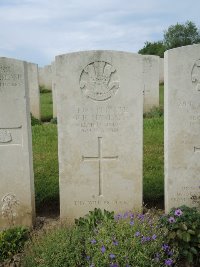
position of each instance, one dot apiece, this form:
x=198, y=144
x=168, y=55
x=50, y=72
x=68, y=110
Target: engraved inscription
x=196, y=75
x=9, y=77
x=100, y=119
x=99, y=159
x=5, y=136
x=99, y=202
x=99, y=81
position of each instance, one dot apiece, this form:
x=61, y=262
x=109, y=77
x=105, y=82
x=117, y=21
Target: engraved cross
x=100, y=159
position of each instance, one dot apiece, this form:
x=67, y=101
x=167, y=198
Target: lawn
x=46, y=158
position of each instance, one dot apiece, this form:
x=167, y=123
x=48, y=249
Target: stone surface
x=151, y=82
x=16, y=168
x=45, y=77
x=34, y=92
x=161, y=71
x=54, y=90
x=182, y=127
x=99, y=131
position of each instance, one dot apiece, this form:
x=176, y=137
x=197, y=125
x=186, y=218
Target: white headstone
x=34, y=92
x=161, y=71
x=54, y=89
x=16, y=168
x=182, y=127
x=99, y=131
x=45, y=77
x=151, y=82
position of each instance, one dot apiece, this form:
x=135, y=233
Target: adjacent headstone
x=151, y=82
x=99, y=131
x=16, y=168
x=161, y=71
x=182, y=127
x=45, y=77
x=54, y=89
x=34, y=92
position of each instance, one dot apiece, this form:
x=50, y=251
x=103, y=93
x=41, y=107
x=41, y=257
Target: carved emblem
x=5, y=136
x=99, y=81
x=196, y=75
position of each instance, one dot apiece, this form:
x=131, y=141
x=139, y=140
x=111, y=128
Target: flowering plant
x=183, y=230
x=129, y=240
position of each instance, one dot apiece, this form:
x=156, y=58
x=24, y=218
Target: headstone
x=182, y=127
x=16, y=168
x=45, y=77
x=161, y=71
x=34, y=92
x=100, y=131
x=151, y=82
x=54, y=89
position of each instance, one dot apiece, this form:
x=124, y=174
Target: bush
x=12, y=241
x=127, y=240
x=94, y=218
x=183, y=226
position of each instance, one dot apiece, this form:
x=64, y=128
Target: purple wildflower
x=178, y=212
x=165, y=247
x=114, y=265
x=103, y=249
x=125, y=215
x=87, y=258
x=131, y=215
x=112, y=256
x=131, y=222
x=115, y=243
x=171, y=220
x=168, y=262
x=154, y=237
x=93, y=241
x=137, y=234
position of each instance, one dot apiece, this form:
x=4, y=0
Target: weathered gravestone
x=151, y=82
x=45, y=77
x=16, y=170
x=182, y=127
x=161, y=71
x=99, y=131
x=54, y=89
x=34, y=92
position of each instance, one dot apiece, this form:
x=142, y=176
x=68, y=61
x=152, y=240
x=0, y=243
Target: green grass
x=161, y=95
x=45, y=160
x=46, y=105
x=46, y=157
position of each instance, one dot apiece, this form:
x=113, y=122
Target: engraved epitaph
x=99, y=131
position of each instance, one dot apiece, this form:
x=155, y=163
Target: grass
x=46, y=105
x=46, y=158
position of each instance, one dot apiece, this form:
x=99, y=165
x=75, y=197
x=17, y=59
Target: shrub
x=12, y=241
x=94, y=218
x=127, y=240
x=130, y=240
x=183, y=226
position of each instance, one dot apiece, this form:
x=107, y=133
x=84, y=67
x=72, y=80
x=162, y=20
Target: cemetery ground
x=108, y=243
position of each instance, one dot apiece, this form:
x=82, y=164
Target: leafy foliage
x=12, y=241
x=94, y=218
x=155, y=48
x=183, y=225
x=127, y=240
x=181, y=35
